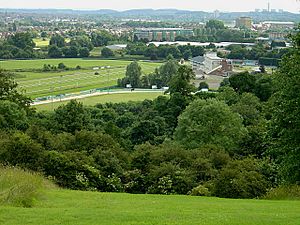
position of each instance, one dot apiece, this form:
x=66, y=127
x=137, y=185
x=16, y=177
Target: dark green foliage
x=242, y=82
x=162, y=76
x=12, y=116
x=106, y=53
x=180, y=83
x=215, y=24
x=58, y=41
x=209, y=122
x=240, y=179
x=133, y=74
x=18, y=149
x=18, y=46
x=70, y=52
x=55, y=52
x=84, y=52
x=21, y=40
x=101, y=38
x=203, y=85
x=71, y=117
x=286, y=121
x=9, y=92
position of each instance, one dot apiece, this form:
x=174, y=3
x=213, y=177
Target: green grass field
x=38, y=84
x=39, y=42
x=113, y=98
x=92, y=208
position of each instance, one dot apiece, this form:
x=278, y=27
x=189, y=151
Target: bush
x=240, y=179
x=106, y=53
x=21, y=188
x=291, y=192
x=200, y=191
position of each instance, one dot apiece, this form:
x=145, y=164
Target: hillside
x=81, y=208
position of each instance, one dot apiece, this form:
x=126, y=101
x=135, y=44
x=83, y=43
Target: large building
x=244, y=22
x=277, y=25
x=211, y=64
x=162, y=34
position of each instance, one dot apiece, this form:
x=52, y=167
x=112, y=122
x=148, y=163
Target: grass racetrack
x=37, y=83
x=105, y=98
x=92, y=208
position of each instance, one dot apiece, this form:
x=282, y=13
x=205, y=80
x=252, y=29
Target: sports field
x=36, y=83
x=93, y=208
x=105, y=98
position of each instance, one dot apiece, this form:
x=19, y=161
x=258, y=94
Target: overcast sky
x=205, y=5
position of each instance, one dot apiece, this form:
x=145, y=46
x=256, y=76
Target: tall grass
x=286, y=192
x=20, y=188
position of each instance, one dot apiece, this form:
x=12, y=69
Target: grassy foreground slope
x=92, y=208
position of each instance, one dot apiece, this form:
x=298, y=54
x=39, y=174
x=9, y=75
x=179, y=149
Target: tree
x=61, y=66
x=209, y=122
x=203, y=85
x=286, y=114
x=12, y=116
x=54, y=52
x=9, y=91
x=57, y=40
x=217, y=24
x=71, y=117
x=84, y=52
x=167, y=71
x=44, y=34
x=180, y=83
x=70, y=52
x=82, y=42
x=107, y=52
x=242, y=82
x=187, y=54
x=101, y=38
x=21, y=40
x=264, y=87
x=241, y=179
x=133, y=73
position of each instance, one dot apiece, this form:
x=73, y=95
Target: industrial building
x=244, y=22
x=162, y=34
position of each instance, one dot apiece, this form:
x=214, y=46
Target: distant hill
x=165, y=14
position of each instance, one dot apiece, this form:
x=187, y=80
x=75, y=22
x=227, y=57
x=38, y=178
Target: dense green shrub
x=285, y=192
x=240, y=179
x=200, y=191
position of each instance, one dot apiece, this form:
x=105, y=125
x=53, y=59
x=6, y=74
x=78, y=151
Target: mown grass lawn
x=92, y=208
x=113, y=98
x=38, y=84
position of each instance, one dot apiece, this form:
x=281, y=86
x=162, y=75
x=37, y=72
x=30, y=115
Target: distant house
x=211, y=64
x=117, y=47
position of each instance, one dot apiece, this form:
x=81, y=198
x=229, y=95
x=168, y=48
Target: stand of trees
x=79, y=46
x=163, y=51
x=18, y=46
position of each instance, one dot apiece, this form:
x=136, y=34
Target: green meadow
x=36, y=83
x=93, y=208
x=105, y=98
